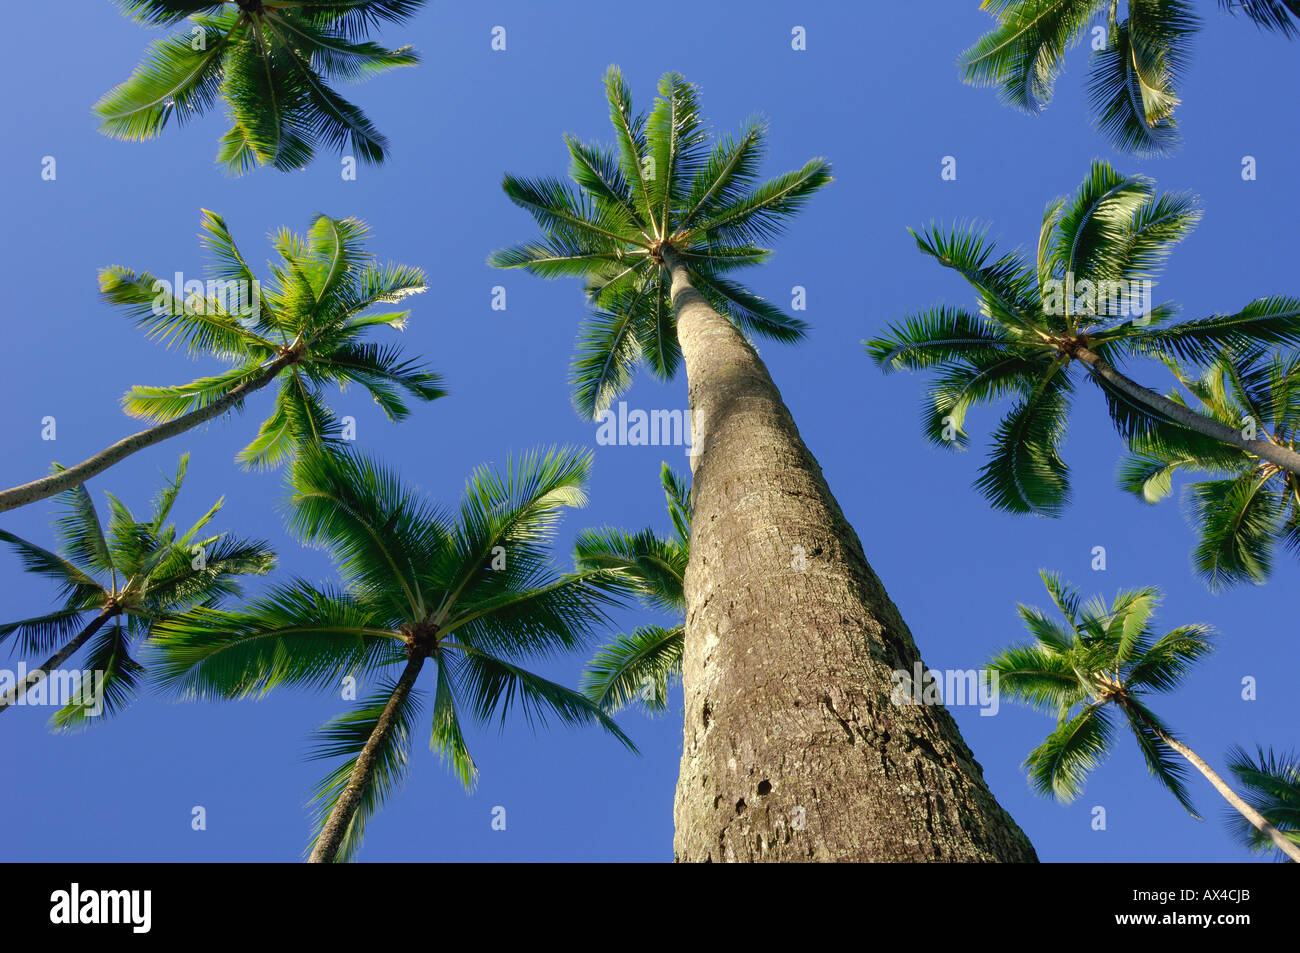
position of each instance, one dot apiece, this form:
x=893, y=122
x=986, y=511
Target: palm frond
x=1280, y=16
x=296, y=635
x=635, y=668
x=497, y=687
x=1060, y=766
x=1024, y=472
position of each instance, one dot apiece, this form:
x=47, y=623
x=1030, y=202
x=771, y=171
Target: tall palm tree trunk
x=66, y=479
x=39, y=675
x=1284, y=843
x=336, y=825
x=1284, y=457
x=793, y=749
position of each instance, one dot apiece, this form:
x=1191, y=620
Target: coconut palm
x=639, y=667
x=1254, y=505
x=270, y=63
x=305, y=330
x=116, y=585
x=1078, y=310
x=1107, y=658
x=1136, y=73
x=473, y=593
x=1272, y=785
x=655, y=226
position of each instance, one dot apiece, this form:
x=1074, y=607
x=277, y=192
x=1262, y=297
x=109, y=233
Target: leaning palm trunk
x=793, y=749
x=39, y=675
x=72, y=476
x=336, y=824
x=1284, y=457
x=1284, y=843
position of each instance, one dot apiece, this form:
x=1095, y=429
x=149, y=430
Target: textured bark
x=66, y=479
x=793, y=750
x=39, y=675
x=1284, y=457
x=1283, y=843
x=336, y=825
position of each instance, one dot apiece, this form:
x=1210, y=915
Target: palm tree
x=639, y=667
x=1272, y=784
x=1254, y=505
x=1136, y=74
x=1081, y=307
x=304, y=331
x=117, y=585
x=1107, y=658
x=473, y=592
x=776, y=573
x=269, y=61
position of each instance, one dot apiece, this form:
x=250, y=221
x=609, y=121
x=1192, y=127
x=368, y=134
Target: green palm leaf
x=636, y=668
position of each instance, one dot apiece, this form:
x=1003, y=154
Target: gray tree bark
x=336, y=825
x=793, y=749
x=1284, y=457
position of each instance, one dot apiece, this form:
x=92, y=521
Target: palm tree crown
x=472, y=591
x=269, y=61
x=1081, y=304
x=305, y=329
x=1254, y=504
x=639, y=667
x=1105, y=657
x=134, y=575
x=661, y=192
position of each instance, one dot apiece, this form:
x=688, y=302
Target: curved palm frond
x=1280, y=16
x=636, y=668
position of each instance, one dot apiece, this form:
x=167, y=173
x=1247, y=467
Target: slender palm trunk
x=66, y=479
x=336, y=825
x=39, y=675
x=1284, y=843
x=1284, y=457
x=793, y=749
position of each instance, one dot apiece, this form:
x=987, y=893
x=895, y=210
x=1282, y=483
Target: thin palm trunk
x=39, y=675
x=73, y=476
x=1284, y=843
x=793, y=749
x=336, y=825
x=1284, y=457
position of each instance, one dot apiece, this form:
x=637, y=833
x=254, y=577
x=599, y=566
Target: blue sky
x=876, y=91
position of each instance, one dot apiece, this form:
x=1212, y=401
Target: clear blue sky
x=876, y=92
